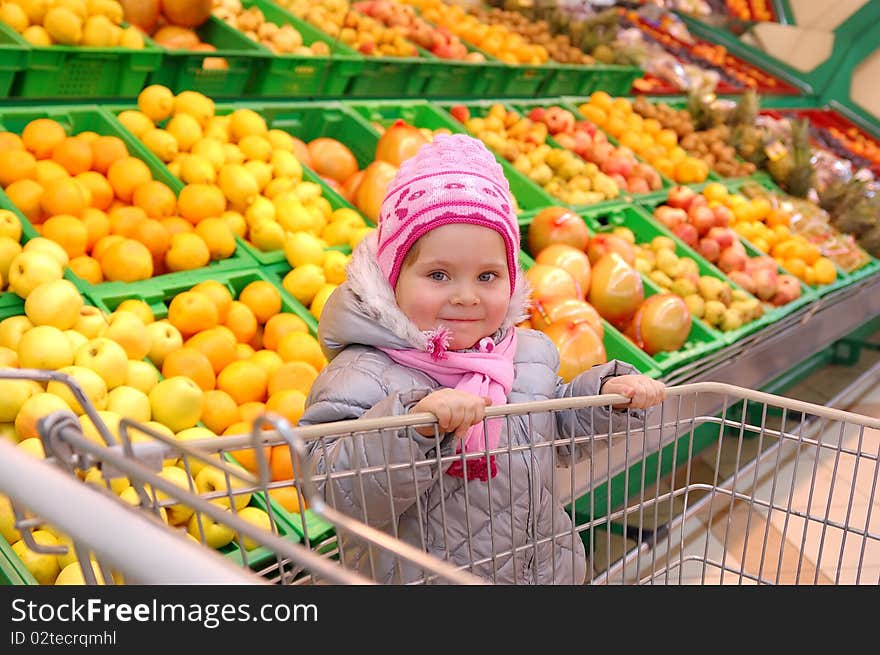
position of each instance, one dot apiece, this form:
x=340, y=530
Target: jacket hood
x=363, y=309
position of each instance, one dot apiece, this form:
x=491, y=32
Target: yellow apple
x=177, y=402
x=139, y=307
x=55, y=303
x=117, y=485
x=34, y=446
x=211, y=479
x=9, y=248
x=108, y=418
x=33, y=409
x=7, y=432
x=13, y=394
x=44, y=346
x=72, y=574
x=10, y=226
x=28, y=270
x=258, y=517
x=130, y=496
x=164, y=338
x=63, y=540
x=129, y=402
x=91, y=384
x=75, y=338
x=43, y=567
x=129, y=331
x=178, y=513
x=8, y=358
x=7, y=521
x=11, y=330
x=91, y=322
x=49, y=247
x=142, y=375
x=196, y=433
x=215, y=535
x=106, y=358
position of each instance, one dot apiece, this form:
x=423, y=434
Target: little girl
x=426, y=322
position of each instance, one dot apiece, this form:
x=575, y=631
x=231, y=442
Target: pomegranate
x=372, y=188
x=604, y=243
x=330, y=158
x=572, y=260
x=681, y=197
x=141, y=13
x=399, y=142
x=616, y=290
x=580, y=348
x=187, y=13
x=573, y=309
x=551, y=283
x=557, y=225
x=661, y=324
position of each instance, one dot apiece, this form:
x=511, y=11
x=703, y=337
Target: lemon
x=256, y=147
x=131, y=37
x=292, y=215
x=14, y=16
x=337, y=233
x=347, y=215
x=63, y=26
x=236, y=222
x=109, y=8
x=277, y=186
x=185, y=129
x=246, y=122
x=136, y=122
x=218, y=128
x=212, y=150
x=100, y=32
x=196, y=104
x=261, y=171
x=37, y=35
x=78, y=7
x=285, y=164
x=35, y=9
x=72, y=574
x=156, y=101
x=238, y=185
x=303, y=282
x=358, y=235
x=306, y=191
x=161, y=143
x=303, y=248
x=195, y=169
x=232, y=153
x=334, y=266
x=320, y=299
x=280, y=140
x=261, y=209
x=267, y=235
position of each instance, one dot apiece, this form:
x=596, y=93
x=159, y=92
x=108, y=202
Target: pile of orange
x=87, y=193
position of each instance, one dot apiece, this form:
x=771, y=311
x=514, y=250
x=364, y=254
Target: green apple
x=142, y=375
x=49, y=247
x=91, y=322
x=11, y=330
x=7, y=521
x=8, y=250
x=211, y=479
x=215, y=535
x=164, y=338
x=177, y=402
x=13, y=394
x=128, y=330
x=72, y=574
x=28, y=270
x=44, y=346
x=10, y=226
x=33, y=409
x=55, y=303
x=106, y=358
x=258, y=517
x=43, y=567
x=178, y=513
x=130, y=496
x=108, y=418
x=196, y=433
x=129, y=402
x=92, y=385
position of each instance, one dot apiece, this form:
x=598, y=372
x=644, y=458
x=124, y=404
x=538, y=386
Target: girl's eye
x=487, y=277
x=439, y=276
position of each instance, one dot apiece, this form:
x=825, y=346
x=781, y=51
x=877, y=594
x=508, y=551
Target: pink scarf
x=488, y=372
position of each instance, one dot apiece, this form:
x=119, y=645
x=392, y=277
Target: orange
x=219, y=411
x=69, y=232
x=281, y=465
x=244, y=380
x=774, y=217
x=256, y=341
x=824, y=271
x=88, y=268
x=795, y=265
x=48, y=169
x=219, y=294
x=289, y=403
x=155, y=198
x=105, y=151
x=243, y=351
x=218, y=236
x=292, y=375
x=127, y=174
x=251, y=411
x=63, y=196
x=124, y=220
x=217, y=344
x=241, y=320
x=127, y=261
x=74, y=154
x=10, y=141
x=99, y=187
x=666, y=138
x=279, y=325
x=288, y=498
x=176, y=225
x=103, y=244
x=41, y=135
x=86, y=137
x=26, y=194
x=268, y=359
x=97, y=225
x=303, y=347
x=601, y=99
x=192, y=364
x=263, y=299
x=200, y=201
x=192, y=312
x=188, y=251
x=715, y=191
x=248, y=457
x=154, y=236
x=16, y=165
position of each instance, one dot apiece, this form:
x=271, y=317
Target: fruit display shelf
x=158, y=296
x=13, y=58
x=59, y=71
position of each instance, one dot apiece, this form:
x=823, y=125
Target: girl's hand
x=456, y=411
x=642, y=391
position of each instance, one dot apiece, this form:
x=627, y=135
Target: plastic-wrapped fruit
x=399, y=142
x=551, y=283
x=372, y=188
x=572, y=260
x=616, y=290
x=602, y=243
x=661, y=324
x=572, y=309
x=580, y=348
x=557, y=225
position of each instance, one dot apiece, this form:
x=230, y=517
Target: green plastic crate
x=78, y=71
x=296, y=76
x=182, y=70
x=13, y=58
x=583, y=79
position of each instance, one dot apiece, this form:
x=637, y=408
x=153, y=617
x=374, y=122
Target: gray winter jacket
x=482, y=519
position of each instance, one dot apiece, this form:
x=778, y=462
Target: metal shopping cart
x=787, y=499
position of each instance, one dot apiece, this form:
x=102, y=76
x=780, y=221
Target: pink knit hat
x=453, y=179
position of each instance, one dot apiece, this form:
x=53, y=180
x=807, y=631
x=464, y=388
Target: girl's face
x=456, y=276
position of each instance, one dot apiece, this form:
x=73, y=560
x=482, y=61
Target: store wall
x=865, y=91
x=823, y=14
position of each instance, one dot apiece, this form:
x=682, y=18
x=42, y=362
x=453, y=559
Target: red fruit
x=709, y=249
x=537, y=114
x=701, y=218
x=661, y=324
x=460, y=113
x=373, y=187
x=788, y=288
x=330, y=158
x=681, y=197
x=557, y=225
x=603, y=243
x=551, y=283
x=766, y=283
x=567, y=141
x=141, y=13
x=187, y=13
x=732, y=259
x=399, y=142
x=687, y=233
x=670, y=216
x=558, y=120
x=570, y=259
x=572, y=309
x=638, y=185
x=616, y=290
x=723, y=216
x=580, y=348
x=743, y=279
x=723, y=235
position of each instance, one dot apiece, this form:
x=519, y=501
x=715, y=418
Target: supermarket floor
x=744, y=542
